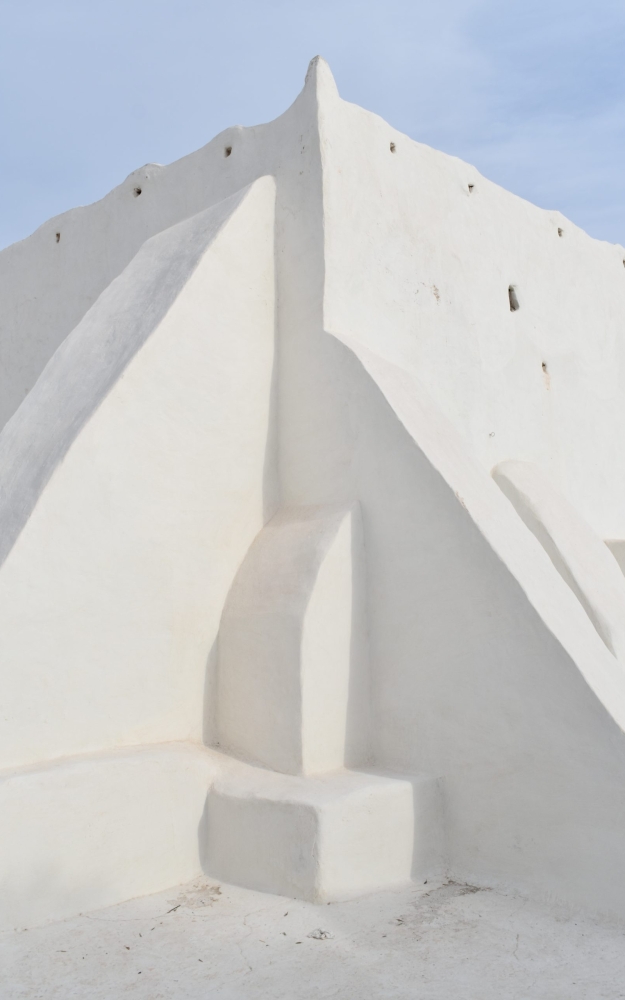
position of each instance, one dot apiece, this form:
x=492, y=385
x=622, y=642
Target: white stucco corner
x=312, y=531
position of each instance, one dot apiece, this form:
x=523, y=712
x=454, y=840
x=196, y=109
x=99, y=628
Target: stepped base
x=85, y=832
x=318, y=838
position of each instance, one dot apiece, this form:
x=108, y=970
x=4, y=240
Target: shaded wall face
x=419, y=267
x=468, y=683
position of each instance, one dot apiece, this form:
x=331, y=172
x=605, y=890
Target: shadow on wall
x=91, y=360
x=425, y=827
x=430, y=850
x=355, y=750
x=211, y=694
x=271, y=493
x=202, y=839
x=358, y=750
x=271, y=469
x=271, y=502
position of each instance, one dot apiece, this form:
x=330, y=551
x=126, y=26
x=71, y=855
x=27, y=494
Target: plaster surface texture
x=206, y=939
x=579, y=555
x=440, y=246
x=293, y=670
x=323, y=838
x=87, y=831
x=252, y=408
x=136, y=474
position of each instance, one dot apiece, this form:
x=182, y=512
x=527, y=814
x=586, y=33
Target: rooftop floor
x=203, y=940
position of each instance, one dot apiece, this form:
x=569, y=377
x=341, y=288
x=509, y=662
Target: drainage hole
x=392, y=147
x=512, y=296
x=58, y=239
x=560, y=231
x=471, y=186
x=136, y=192
x=227, y=150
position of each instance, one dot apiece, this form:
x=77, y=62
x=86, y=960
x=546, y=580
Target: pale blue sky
x=530, y=91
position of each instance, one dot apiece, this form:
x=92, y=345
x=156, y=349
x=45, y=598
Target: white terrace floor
x=201, y=940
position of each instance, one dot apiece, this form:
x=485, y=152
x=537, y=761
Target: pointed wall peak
x=319, y=77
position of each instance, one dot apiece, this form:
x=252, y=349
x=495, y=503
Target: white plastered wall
x=418, y=268
x=582, y=559
x=293, y=687
x=86, y=832
x=190, y=451
x=486, y=671
x=47, y=286
x=111, y=595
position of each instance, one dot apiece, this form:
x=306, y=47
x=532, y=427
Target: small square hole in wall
x=513, y=299
x=471, y=186
x=136, y=192
x=560, y=231
x=58, y=237
x=392, y=147
x=227, y=150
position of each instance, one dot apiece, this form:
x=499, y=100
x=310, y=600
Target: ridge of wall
x=49, y=280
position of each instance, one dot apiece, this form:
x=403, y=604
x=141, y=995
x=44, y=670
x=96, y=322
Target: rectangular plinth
x=318, y=838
